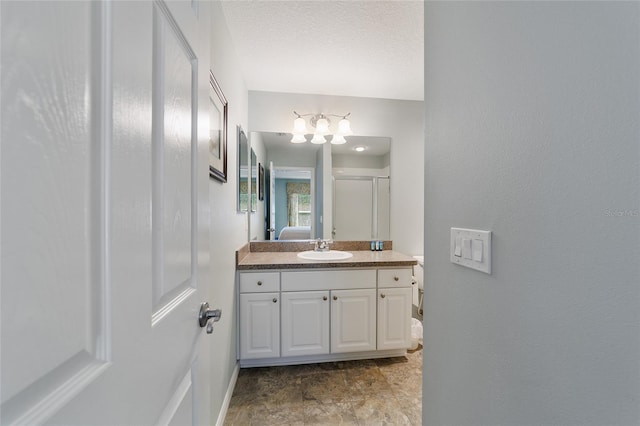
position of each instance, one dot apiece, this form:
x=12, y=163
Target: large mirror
x=323, y=191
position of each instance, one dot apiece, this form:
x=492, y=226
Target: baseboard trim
x=309, y=359
x=227, y=396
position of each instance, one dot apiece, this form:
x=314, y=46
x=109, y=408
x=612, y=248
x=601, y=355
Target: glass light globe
x=338, y=139
x=299, y=126
x=322, y=126
x=298, y=139
x=318, y=139
x=344, y=128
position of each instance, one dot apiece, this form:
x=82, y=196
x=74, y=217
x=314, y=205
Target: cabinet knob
x=275, y=300
x=335, y=297
x=259, y=282
x=396, y=278
x=324, y=298
x=382, y=295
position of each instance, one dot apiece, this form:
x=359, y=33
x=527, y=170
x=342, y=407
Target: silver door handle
x=208, y=317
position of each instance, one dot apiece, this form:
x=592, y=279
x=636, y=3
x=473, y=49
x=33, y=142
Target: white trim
x=227, y=396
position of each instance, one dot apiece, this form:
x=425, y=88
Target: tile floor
x=366, y=392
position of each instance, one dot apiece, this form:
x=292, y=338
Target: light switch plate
x=458, y=235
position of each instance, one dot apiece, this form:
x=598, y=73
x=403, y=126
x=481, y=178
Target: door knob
x=208, y=317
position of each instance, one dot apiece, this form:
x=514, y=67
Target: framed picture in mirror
x=243, y=171
x=217, y=131
x=254, y=181
x=260, y=182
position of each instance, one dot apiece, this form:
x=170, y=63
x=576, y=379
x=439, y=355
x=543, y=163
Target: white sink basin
x=325, y=255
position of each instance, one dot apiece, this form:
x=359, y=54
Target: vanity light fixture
x=321, y=123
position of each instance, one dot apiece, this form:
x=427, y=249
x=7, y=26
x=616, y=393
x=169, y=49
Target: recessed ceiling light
x=360, y=148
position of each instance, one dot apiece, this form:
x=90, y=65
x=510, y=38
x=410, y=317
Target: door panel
x=260, y=322
x=305, y=323
x=103, y=178
x=353, y=320
x=394, y=318
x=175, y=155
x=50, y=244
x=179, y=409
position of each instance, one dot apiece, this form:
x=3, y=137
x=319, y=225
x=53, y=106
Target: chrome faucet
x=321, y=245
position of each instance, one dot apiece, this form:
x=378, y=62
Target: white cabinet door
x=353, y=320
x=305, y=323
x=394, y=318
x=259, y=325
x=105, y=194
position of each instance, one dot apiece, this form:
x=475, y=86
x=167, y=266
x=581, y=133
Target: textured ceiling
x=344, y=48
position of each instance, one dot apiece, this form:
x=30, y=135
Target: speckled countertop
x=256, y=256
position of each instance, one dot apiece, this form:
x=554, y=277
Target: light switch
x=477, y=250
x=466, y=248
x=471, y=248
x=458, y=246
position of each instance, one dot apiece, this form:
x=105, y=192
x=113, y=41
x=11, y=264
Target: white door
x=394, y=318
x=272, y=201
x=103, y=184
x=383, y=208
x=353, y=320
x=353, y=202
x=305, y=323
x=259, y=325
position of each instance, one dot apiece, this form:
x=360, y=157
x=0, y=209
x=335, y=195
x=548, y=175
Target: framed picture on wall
x=217, y=131
x=260, y=182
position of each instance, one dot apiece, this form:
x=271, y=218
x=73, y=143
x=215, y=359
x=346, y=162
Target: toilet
x=418, y=289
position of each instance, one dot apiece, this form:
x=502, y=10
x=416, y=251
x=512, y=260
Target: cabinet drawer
x=394, y=278
x=259, y=282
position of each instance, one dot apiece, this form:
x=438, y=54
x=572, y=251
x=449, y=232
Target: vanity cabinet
x=296, y=316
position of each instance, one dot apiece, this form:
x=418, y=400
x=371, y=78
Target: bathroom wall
x=228, y=228
x=402, y=121
x=532, y=132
